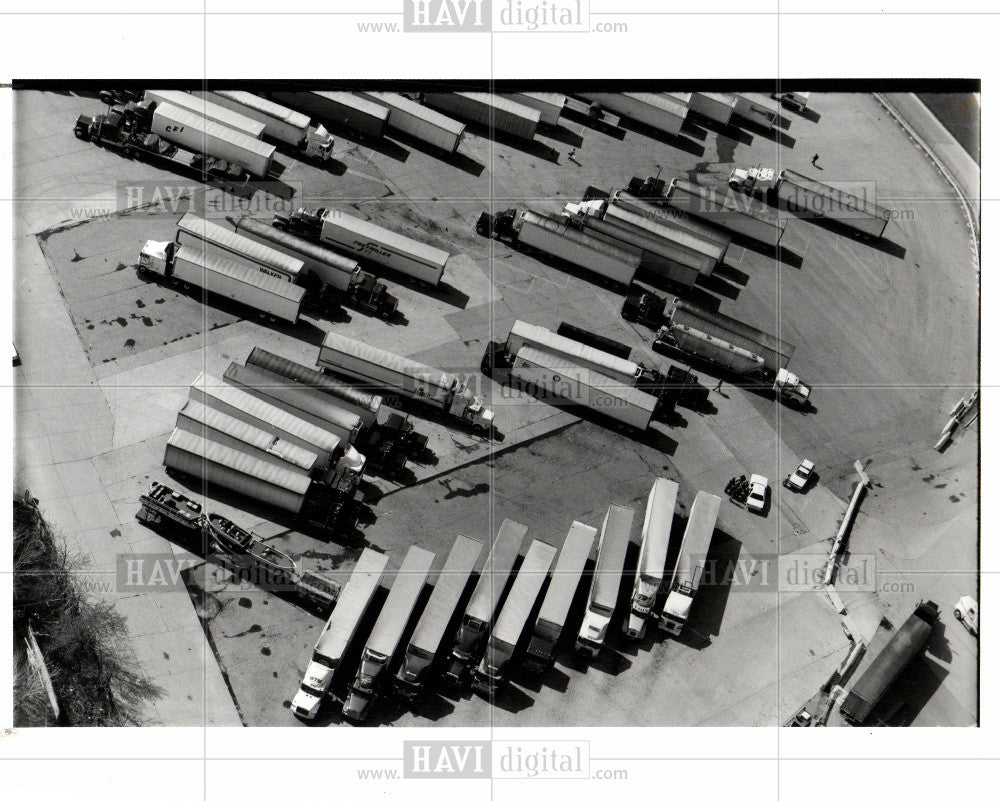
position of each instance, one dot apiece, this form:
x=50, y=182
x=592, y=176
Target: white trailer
x=199, y=135
x=495, y=667
x=690, y=562
x=716, y=106
x=339, y=108
x=384, y=639
x=353, y=602
x=657, y=111
x=558, y=238
x=203, y=234
x=189, y=266
x=426, y=640
x=710, y=241
x=420, y=122
x=737, y=213
x=485, y=599
x=549, y=105
x=652, y=554
x=555, y=607
x=611, y=550
x=374, y=367
x=803, y=195
x=205, y=108
x=755, y=112
x=489, y=110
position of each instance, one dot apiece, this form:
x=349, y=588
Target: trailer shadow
x=716, y=284
x=560, y=133
x=806, y=113
x=552, y=678
x=729, y=131
x=908, y=694
x=777, y=252
x=710, y=601
x=673, y=140
x=456, y=159
x=594, y=123
x=729, y=273
x=379, y=144
x=776, y=133
x=881, y=244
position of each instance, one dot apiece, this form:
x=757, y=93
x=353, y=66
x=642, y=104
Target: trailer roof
x=658, y=209
x=677, y=237
x=671, y=105
x=496, y=570
x=727, y=203
x=724, y=98
x=267, y=412
x=351, y=604
x=240, y=272
x=561, y=227
x=530, y=577
x=365, y=229
x=399, y=364
x=615, y=533
x=208, y=110
x=309, y=377
x=268, y=107
x=216, y=420
x=696, y=542
x=402, y=598
x=285, y=478
x=214, y=129
x=395, y=100
x=762, y=338
x=359, y=103
x=656, y=527
x=503, y=104
x=571, y=349
x=230, y=240
x=446, y=594
x=845, y=200
x=296, y=244
x=568, y=571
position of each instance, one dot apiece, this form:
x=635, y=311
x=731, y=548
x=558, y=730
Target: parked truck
x=551, y=620
x=806, y=197
x=494, y=669
x=690, y=562
x=652, y=555
x=280, y=124
x=485, y=601
x=491, y=111
x=611, y=550
x=342, y=109
x=204, y=107
x=907, y=641
x=328, y=276
x=422, y=123
x=373, y=673
x=374, y=367
x=340, y=628
x=796, y=100
x=717, y=106
x=188, y=266
x=549, y=105
x=369, y=241
x=734, y=346
x=658, y=111
x=737, y=213
x=642, y=199
x=425, y=643
x=753, y=111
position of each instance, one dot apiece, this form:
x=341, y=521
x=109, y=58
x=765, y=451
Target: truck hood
x=306, y=704
x=595, y=626
x=678, y=605
x=317, y=677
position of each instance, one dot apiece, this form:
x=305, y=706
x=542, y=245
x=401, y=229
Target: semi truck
x=494, y=669
x=737, y=213
x=374, y=367
x=611, y=549
x=369, y=241
x=717, y=106
x=803, y=196
x=736, y=347
x=549, y=105
x=559, y=237
x=657, y=111
x=756, y=112
x=328, y=276
x=652, y=555
x=485, y=601
x=422, y=123
x=340, y=628
x=204, y=107
x=280, y=124
x=540, y=655
x=491, y=111
x=690, y=562
x=187, y=267
x=639, y=199
x=373, y=673
x=425, y=643
x=907, y=641
x=343, y=109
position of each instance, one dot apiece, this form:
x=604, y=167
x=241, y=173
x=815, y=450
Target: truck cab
x=492, y=670
x=318, y=144
x=752, y=180
x=360, y=696
x=314, y=685
x=642, y=606
x=790, y=387
x=467, y=642
x=156, y=257
x=594, y=630
x=411, y=674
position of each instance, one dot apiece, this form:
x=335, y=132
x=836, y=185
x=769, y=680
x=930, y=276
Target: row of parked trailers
x=495, y=620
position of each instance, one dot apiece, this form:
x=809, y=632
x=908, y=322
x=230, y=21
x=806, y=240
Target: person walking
x=815, y=159
x=718, y=387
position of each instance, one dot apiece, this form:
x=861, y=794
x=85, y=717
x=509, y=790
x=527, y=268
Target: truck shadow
x=552, y=678
x=710, y=601
x=730, y=131
x=776, y=133
x=777, y=252
x=909, y=694
x=714, y=283
x=673, y=140
x=880, y=244
x=459, y=160
x=731, y=274
x=560, y=133
x=381, y=145
x=530, y=147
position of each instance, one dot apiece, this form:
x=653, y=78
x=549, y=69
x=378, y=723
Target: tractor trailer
x=327, y=275
x=205, y=108
x=704, y=238
x=737, y=213
x=611, y=550
x=425, y=643
x=376, y=368
x=485, y=600
x=657, y=111
x=494, y=669
x=422, y=123
x=342, y=109
x=338, y=632
x=690, y=562
x=548, y=104
x=652, y=555
x=373, y=673
x=369, y=241
x=551, y=620
x=494, y=112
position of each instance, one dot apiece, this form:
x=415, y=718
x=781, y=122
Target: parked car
x=757, y=497
x=798, y=480
x=967, y=611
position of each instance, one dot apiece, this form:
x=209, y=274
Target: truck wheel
x=187, y=286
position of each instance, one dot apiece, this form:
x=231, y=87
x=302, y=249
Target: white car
x=797, y=481
x=757, y=498
x=967, y=611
